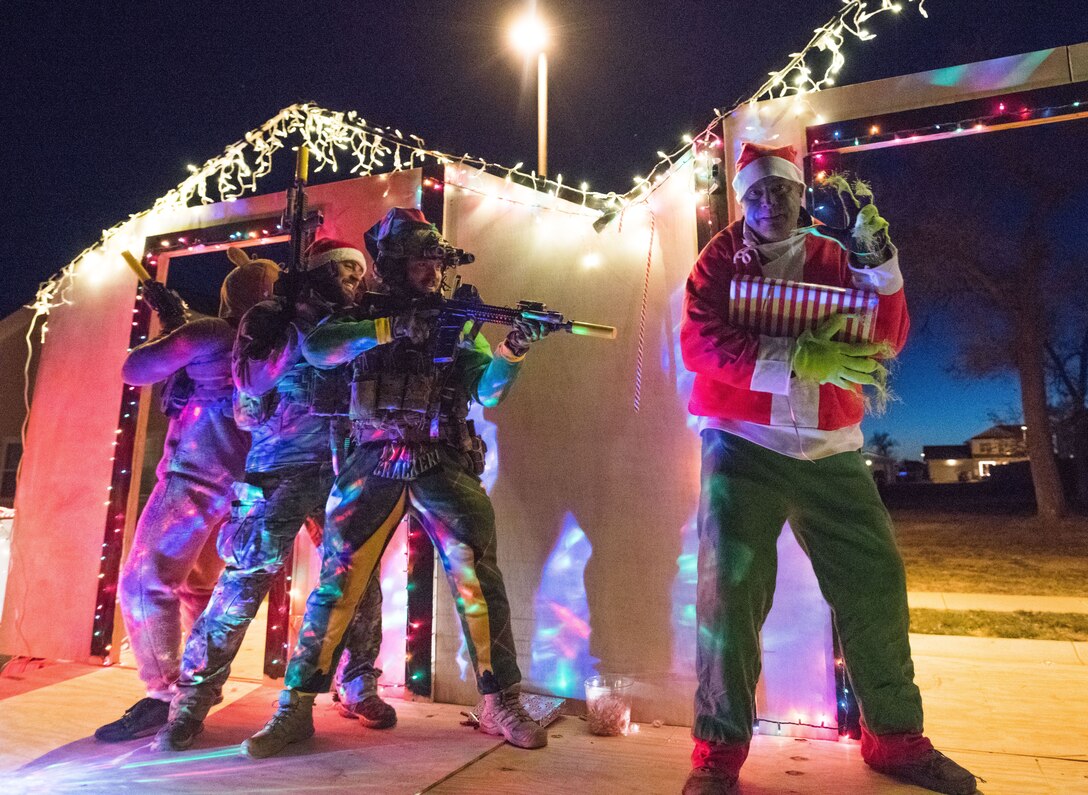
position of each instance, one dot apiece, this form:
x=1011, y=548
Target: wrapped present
x=780, y=308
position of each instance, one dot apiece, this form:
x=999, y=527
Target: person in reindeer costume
x=291, y=411
x=780, y=441
x=173, y=565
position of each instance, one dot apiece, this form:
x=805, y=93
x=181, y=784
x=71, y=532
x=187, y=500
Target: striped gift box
x=780, y=308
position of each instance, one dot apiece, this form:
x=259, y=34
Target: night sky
x=106, y=102
x=955, y=190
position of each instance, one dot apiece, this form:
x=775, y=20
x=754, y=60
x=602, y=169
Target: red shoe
x=715, y=767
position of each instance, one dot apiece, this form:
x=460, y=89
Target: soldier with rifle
x=413, y=449
x=291, y=409
x=172, y=565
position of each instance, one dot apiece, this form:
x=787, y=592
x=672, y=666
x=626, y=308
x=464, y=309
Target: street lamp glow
x=529, y=35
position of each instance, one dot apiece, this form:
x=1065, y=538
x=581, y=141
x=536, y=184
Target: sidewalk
x=1001, y=603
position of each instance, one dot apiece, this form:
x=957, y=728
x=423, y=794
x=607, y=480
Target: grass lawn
x=965, y=553
x=987, y=624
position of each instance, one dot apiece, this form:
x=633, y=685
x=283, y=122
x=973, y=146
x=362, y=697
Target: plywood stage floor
x=1012, y=712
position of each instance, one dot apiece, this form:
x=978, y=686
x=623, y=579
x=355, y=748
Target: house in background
x=949, y=463
x=1006, y=442
x=883, y=468
x=996, y=446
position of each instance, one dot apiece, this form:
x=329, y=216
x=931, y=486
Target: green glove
x=843, y=364
x=870, y=231
x=865, y=234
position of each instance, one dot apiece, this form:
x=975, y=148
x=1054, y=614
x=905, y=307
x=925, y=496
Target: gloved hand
x=526, y=331
x=170, y=323
x=416, y=325
x=865, y=233
x=819, y=358
x=870, y=235
x=171, y=308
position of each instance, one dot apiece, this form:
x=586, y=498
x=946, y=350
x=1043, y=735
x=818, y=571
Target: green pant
x=748, y=493
x=362, y=512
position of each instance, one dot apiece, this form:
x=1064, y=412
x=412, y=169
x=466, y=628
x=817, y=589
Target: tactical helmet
x=404, y=233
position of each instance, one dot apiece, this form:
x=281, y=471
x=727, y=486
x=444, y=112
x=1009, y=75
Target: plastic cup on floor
x=608, y=704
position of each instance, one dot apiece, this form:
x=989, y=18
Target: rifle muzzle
x=592, y=330
x=136, y=266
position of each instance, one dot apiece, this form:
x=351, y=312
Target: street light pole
x=530, y=36
x=542, y=113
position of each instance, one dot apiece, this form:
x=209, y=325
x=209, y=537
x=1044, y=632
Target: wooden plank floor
x=1014, y=716
x=46, y=746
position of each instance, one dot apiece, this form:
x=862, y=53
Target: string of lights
x=460, y=183
x=329, y=134
x=1004, y=116
x=802, y=724
x=798, y=77
x=117, y=496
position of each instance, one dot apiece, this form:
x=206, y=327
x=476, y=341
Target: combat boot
x=372, y=712
x=503, y=716
x=178, y=734
x=358, y=699
x=292, y=723
x=187, y=713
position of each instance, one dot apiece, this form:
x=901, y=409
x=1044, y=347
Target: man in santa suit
x=780, y=441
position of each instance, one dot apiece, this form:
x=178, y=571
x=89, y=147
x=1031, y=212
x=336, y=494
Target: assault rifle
x=465, y=306
x=301, y=224
x=168, y=305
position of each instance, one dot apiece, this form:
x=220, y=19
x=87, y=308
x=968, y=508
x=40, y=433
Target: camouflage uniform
x=289, y=472
x=413, y=449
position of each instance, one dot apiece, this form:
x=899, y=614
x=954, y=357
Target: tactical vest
x=401, y=398
x=396, y=384
x=324, y=392
x=181, y=389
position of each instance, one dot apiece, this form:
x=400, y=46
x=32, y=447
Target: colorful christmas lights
x=797, y=78
x=1002, y=119
x=117, y=493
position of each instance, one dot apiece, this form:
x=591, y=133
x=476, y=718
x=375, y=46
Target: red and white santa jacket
x=745, y=376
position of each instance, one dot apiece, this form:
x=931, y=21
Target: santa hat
x=757, y=161
x=329, y=249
